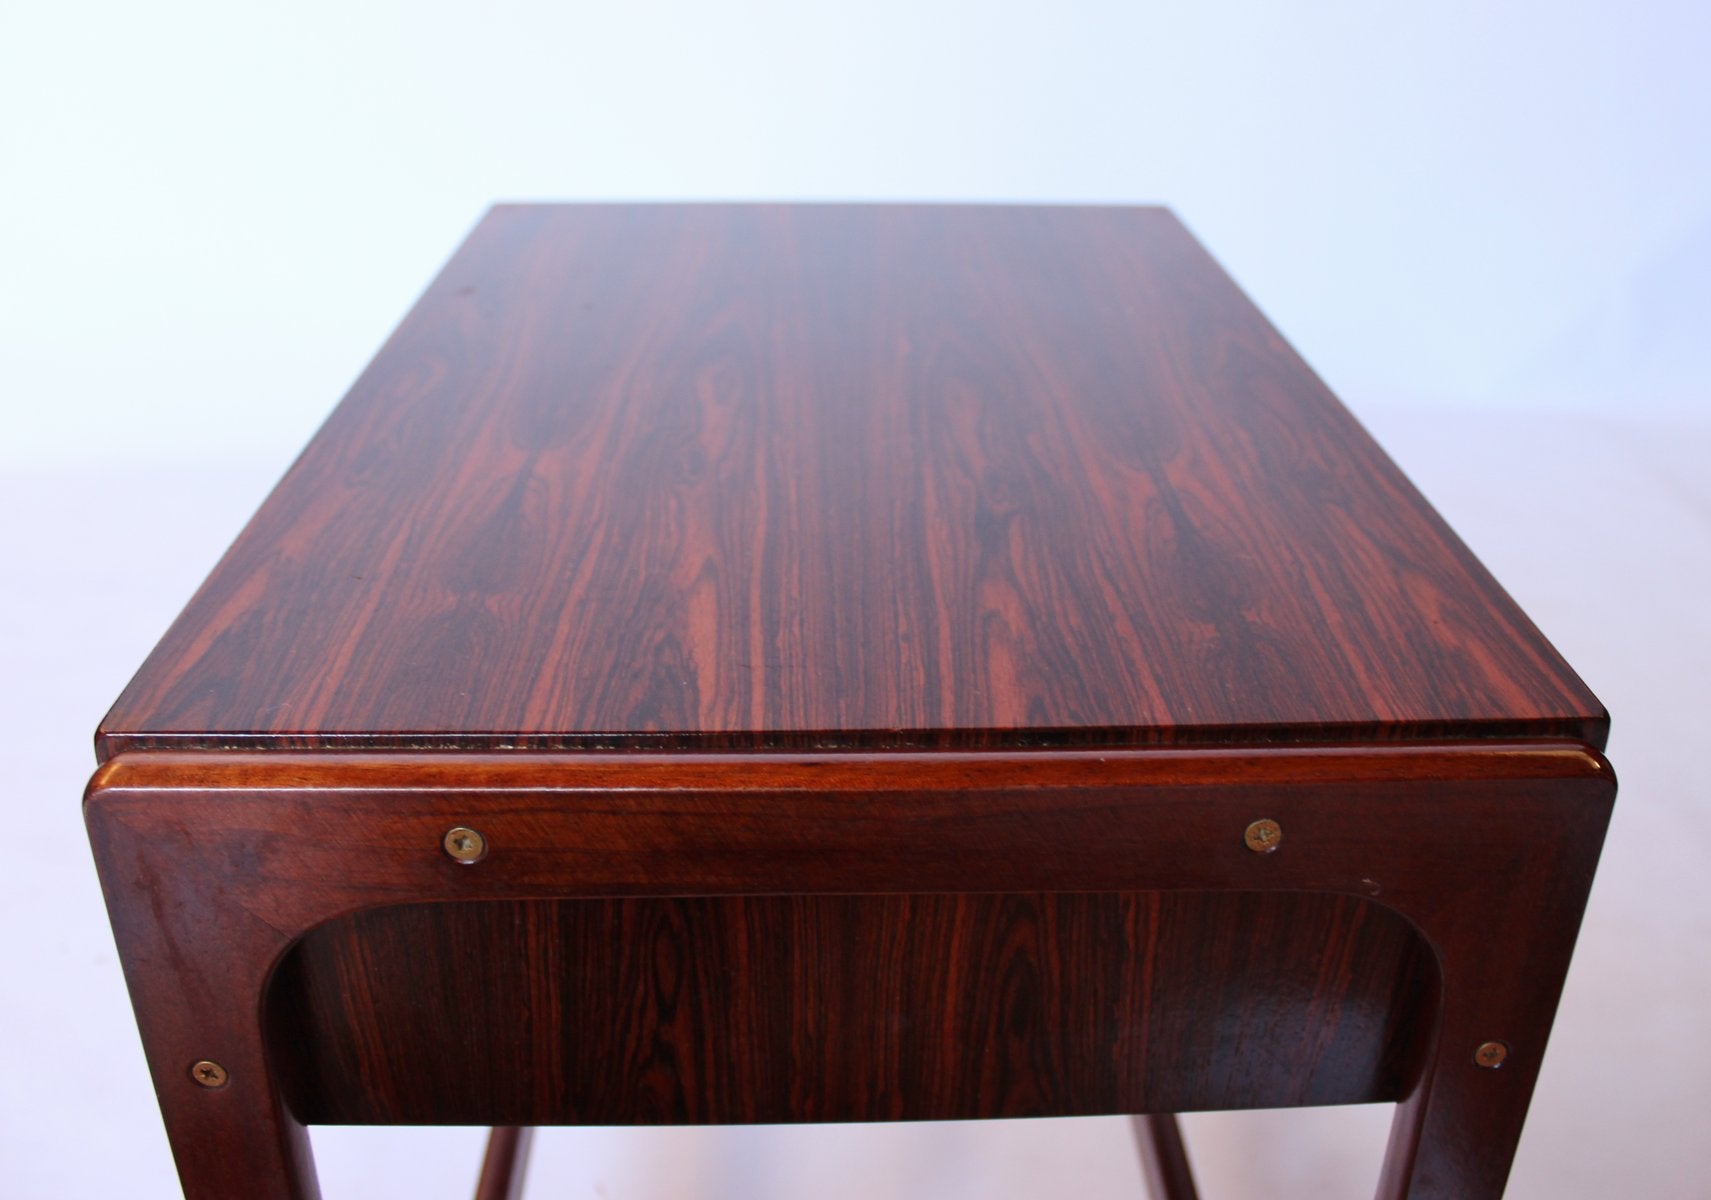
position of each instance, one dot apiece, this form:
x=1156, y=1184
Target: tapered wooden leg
x=506, y=1163
x=1164, y=1159
x=1503, y=943
x=1454, y=1136
x=238, y=1139
x=197, y=962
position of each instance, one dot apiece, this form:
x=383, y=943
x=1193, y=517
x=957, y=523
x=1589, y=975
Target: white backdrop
x=211, y=213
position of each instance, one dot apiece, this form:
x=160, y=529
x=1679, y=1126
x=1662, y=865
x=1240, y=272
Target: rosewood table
x=836, y=663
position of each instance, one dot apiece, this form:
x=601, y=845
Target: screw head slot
x=464, y=844
x=1490, y=1055
x=1263, y=836
x=209, y=1074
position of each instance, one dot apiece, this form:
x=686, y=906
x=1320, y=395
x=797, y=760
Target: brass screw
x=464, y=844
x=1490, y=1055
x=209, y=1074
x=1263, y=836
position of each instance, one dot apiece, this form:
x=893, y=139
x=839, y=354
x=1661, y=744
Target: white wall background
x=1487, y=224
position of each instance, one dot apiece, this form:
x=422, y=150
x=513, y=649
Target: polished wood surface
x=841, y=477
x=857, y=651
x=777, y=1009
x=221, y=869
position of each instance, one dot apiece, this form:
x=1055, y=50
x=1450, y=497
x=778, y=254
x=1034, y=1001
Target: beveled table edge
x=843, y=770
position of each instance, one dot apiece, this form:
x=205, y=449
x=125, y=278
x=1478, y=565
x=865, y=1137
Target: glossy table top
x=829, y=477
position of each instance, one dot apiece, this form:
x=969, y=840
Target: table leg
x=506, y=1163
x=1164, y=1159
x=1502, y=946
x=197, y=963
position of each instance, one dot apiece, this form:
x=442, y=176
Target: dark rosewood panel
x=218, y=867
x=833, y=477
x=867, y=640
x=848, y=1008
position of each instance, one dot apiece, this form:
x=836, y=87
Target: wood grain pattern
x=726, y=1010
x=217, y=865
x=862, y=636
x=841, y=477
